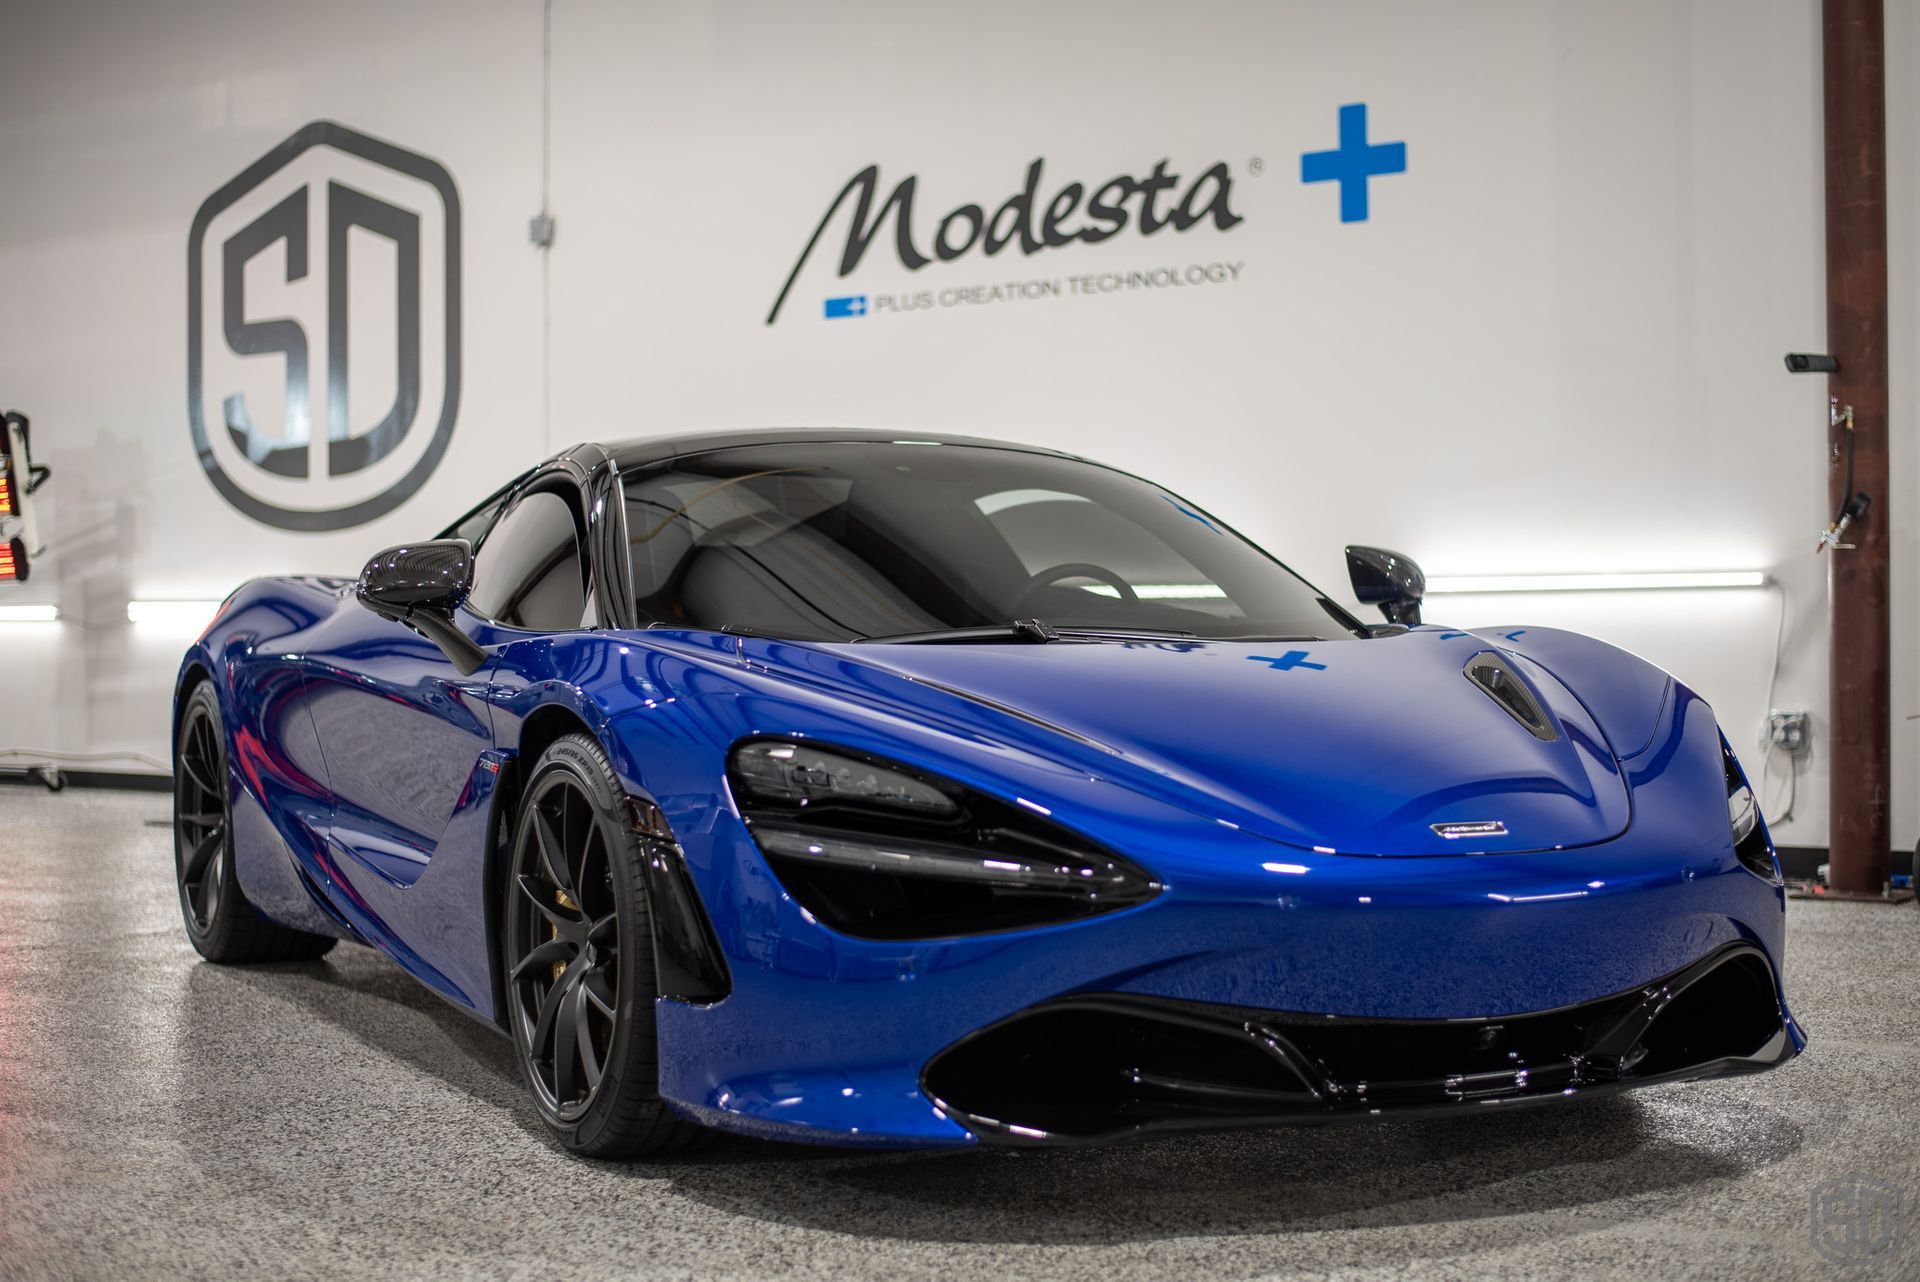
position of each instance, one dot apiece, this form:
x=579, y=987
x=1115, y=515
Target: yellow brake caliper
x=565, y=900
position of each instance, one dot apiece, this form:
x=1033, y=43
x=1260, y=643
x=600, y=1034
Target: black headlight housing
x=1751, y=845
x=880, y=850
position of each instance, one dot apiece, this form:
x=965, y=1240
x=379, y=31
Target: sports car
x=841, y=787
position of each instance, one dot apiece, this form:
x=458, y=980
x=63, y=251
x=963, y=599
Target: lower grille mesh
x=1107, y=1065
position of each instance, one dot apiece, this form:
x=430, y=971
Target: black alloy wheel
x=568, y=926
x=578, y=959
x=200, y=816
x=220, y=922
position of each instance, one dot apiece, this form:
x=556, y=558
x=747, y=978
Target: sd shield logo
x=323, y=329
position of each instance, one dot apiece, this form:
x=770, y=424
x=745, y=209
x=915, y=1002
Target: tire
x=220, y=922
x=582, y=1021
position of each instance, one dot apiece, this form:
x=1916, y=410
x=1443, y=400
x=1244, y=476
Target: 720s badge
x=1474, y=828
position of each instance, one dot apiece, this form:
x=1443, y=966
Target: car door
x=402, y=730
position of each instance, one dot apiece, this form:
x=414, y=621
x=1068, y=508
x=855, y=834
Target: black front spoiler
x=1098, y=1068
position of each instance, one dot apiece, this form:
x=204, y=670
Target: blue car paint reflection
x=1287, y=807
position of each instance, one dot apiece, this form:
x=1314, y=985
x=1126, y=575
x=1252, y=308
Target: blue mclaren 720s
x=829, y=786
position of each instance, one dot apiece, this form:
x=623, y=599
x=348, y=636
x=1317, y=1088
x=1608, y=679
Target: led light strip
x=29, y=613
x=179, y=614
x=1475, y=583
x=1163, y=591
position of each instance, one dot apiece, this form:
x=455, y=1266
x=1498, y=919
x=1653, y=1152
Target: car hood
x=1357, y=746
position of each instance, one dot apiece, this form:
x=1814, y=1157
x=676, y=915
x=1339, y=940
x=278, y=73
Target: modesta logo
x=323, y=329
x=1074, y=213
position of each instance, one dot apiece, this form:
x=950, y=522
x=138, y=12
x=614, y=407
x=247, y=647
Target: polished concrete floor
x=163, y=1117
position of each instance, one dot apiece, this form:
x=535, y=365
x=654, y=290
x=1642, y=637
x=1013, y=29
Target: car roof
x=641, y=452
x=646, y=451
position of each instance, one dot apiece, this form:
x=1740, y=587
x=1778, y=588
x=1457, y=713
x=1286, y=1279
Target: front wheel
x=577, y=951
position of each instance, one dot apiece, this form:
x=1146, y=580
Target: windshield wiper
x=1031, y=631
x=1129, y=634
x=1019, y=631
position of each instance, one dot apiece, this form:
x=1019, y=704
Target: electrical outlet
x=1789, y=730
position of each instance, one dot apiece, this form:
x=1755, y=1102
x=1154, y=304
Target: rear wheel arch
x=190, y=680
x=221, y=924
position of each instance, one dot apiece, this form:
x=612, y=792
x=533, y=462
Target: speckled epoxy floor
x=163, y=1117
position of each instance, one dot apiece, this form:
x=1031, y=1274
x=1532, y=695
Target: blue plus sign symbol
x=1353, y=162
x=1288, y=662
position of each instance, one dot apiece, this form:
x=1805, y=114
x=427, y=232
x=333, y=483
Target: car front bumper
x=830, y=1039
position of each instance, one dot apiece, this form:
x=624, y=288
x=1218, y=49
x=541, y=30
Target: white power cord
x=1766, y=756
x=35, y=756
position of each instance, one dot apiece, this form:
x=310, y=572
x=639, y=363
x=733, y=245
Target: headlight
x=801, y=774
x=881, y=851
x=1743, y=812
x=1750, y=841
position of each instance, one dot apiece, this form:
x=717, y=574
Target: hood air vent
x=1510, y=692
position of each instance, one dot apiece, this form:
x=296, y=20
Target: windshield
x=842, y=541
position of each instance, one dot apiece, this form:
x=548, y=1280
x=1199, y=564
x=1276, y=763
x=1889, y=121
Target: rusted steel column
x=1859, y=738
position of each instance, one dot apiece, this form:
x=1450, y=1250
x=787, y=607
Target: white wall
x=118, y=121
x=1555, y=345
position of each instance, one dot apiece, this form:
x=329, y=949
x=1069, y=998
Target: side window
x=474, y=524
x=529, y=571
